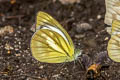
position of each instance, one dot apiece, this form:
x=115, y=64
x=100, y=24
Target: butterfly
x=112, y=11
x=51, y=43
x=114, y=42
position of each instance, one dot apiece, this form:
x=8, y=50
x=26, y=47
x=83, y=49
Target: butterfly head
x=77, y=53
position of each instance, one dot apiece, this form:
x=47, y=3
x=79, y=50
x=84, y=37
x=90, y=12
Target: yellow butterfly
x=112, y=11
x=114, y=43
x=51, y=43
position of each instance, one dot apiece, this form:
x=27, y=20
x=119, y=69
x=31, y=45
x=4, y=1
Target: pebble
x=106, y=38
x=6, y=29
x=79, y=36
x=8, y=46
x=79, y=44
x=80, y=27
x=41, y=67
x=56, y=75
x=69, y=1
x=99, y=16
x=91, y=19
x=18, y=55
x=118, y=71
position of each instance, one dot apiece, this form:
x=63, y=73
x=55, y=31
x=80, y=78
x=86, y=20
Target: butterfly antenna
x=74, y=64
x=80, y=62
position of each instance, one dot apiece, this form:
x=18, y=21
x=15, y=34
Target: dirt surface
x=84, y=21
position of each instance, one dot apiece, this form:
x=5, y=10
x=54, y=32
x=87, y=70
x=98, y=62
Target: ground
x=16, y=60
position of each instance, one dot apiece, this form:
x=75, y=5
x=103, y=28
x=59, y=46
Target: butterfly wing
x=45, y=19
x=51, y=43
x=114, y=43
x=49, y=46
x=115, y=27
x=112, y=11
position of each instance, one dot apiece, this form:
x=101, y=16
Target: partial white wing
x=112, y=11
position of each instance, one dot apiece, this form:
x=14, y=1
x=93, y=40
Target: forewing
x=112, y=11
x=49, y=46
x=44, y=19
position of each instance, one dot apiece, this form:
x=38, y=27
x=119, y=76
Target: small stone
x=6, y=29
x=9, y=52
x=99, y=16
x=12, y=1
x=79, y=44
x=118, y=71
x=41, y=67
x=56, y=75
x=8, y=46
x=16, y=49
x=19, y=42
x=91, y=19
x=79, y=36
x=81, y=27
x=69, y=1
x=106, y=38
x=17, y=55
